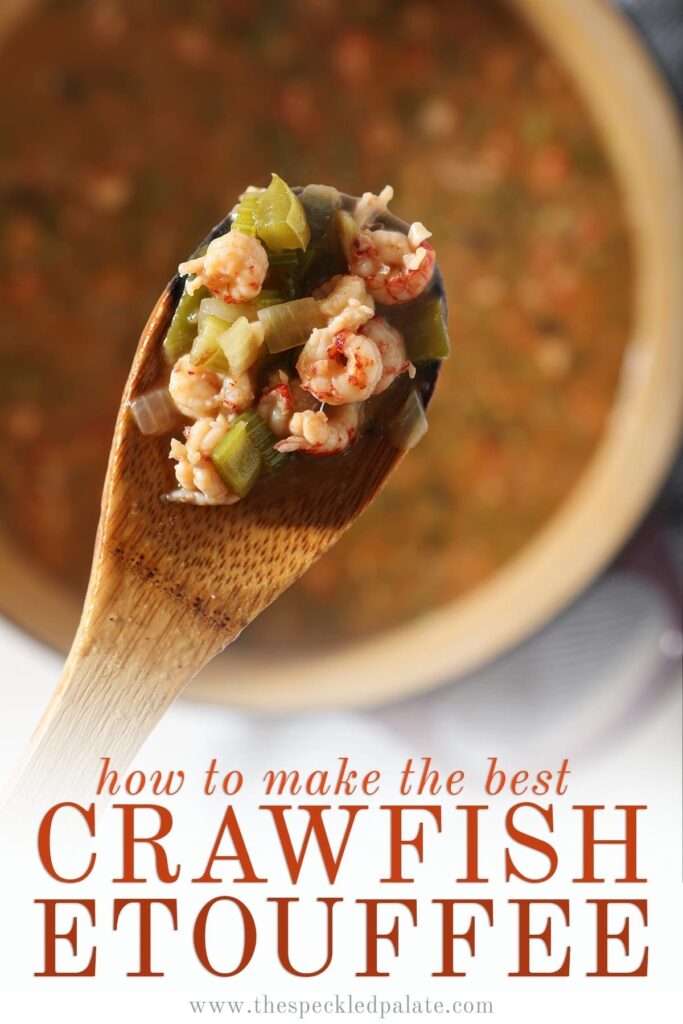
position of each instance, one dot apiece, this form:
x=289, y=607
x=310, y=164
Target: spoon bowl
x=172, y=585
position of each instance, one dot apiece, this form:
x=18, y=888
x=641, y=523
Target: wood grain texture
x=174, y=584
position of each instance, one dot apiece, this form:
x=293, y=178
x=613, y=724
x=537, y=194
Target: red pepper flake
x=336, y=349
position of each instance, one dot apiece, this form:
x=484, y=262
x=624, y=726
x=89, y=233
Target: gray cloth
x=660, y=22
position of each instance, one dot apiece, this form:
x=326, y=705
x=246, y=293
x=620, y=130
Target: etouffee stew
x=300, y=310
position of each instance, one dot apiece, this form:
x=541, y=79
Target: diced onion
x=290, y=324
x=413, y=260
x=184, y=497
x=228, y=311
x=417, y=234
x=232, y=311
x=410, y=424
x=154, y=412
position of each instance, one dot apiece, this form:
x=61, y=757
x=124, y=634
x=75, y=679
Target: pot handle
x=660, y=23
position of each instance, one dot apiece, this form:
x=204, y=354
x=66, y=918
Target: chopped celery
x=318, y=265
x=280, y=218
x=410, y=423
x=241, y=345
x=217, y=361
x=291, y=270
x=246, y=451
x=287, y=259
x=342, y=232
x=306, y=262
x=283, y=273
x=227, y=348
x=425, y=329
x=264, y=439
x=237, y=459
x=206, y=351
x=266, y=297
x=290, y=323
x=183, y=327
x=243, y=218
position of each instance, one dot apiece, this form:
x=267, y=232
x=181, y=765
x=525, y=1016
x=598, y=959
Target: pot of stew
x=540, y=142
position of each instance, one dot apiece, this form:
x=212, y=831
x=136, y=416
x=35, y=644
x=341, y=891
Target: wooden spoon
x=172, y=585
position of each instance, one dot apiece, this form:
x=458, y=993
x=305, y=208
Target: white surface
x=600, y=685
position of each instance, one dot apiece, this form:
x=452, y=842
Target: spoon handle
x=127, y=664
